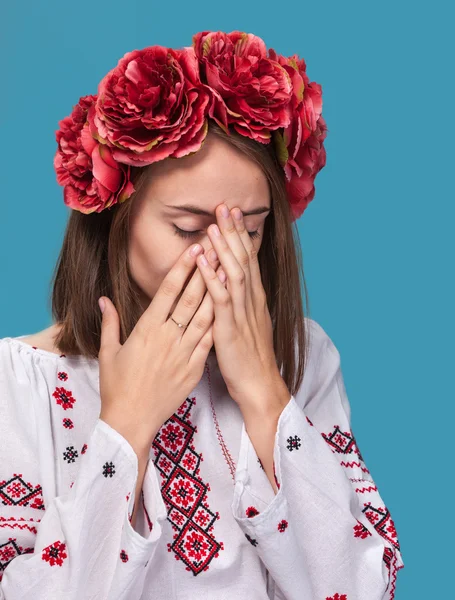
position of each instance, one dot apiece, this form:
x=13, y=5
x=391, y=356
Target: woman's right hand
x=144, y=381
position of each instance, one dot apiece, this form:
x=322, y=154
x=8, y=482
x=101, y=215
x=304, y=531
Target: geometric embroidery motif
x=10, y=550
x=184, y=493
x=55, y=553
x=383, y=523
x=109, y=469
x=70, y=455
x=343, y=442
x=17, y=492
x=64, y=397
x=293, y=443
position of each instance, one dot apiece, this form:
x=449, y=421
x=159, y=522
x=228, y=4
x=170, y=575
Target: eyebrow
x=195, y=210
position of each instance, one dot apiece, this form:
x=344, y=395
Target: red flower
x=299, y=147
x=92, y=179
x=250, y=90
x=55, y=553
x=152, y=105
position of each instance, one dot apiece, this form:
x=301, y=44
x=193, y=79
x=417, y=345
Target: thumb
x=110, y=326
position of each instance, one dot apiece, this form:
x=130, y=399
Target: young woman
x=193, y=439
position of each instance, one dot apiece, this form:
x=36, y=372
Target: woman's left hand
x=242, y=328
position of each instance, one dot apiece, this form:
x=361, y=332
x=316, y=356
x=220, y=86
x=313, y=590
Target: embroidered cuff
x=256, y=508
x=151, y=503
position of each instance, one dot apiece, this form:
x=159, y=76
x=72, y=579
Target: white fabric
x=67, y=484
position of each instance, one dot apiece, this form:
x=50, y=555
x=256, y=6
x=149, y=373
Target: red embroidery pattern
x=345, y=443
x=184, y=492
x=282, y=526
x=10, y=550
x=55, y=553
x=67, y=423
x=17, y=492
x=337, y=597
x=227, y=455
x=64, y=397
x=251, y=511
x=383, y=523
x=62, y=375
x=361, y=531
x=20, y=523
x=124, y=556
x=390, y=559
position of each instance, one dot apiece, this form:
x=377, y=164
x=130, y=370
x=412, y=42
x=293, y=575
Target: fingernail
x=203, y=260
x=102, y=304
x=225, y=211
x=213, y=255
x=195, y=250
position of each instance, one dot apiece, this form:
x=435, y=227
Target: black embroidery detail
x=260, y=463
x=10, y=550
x=185, y=493
x=70, y=455
x=18, y=492
x=252, y=541
x=108, y=469
x=68, y=423
x=293, y=443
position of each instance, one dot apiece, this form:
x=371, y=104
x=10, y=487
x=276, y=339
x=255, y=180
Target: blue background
x=377, y=239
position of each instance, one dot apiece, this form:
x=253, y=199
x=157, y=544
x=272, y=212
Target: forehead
x=216, y=173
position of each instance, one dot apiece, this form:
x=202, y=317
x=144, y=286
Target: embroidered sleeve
x=327, y=533
x=84, y=545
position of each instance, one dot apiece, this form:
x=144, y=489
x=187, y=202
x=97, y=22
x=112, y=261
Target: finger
x=110, y=329
x=223, y=307
x=193, y=293
x=201, y=321
x=238, y=247
x=202, y=349
x=171, y=286
x=254, y=271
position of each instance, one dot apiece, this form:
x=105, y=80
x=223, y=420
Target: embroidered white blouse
x=210, y=524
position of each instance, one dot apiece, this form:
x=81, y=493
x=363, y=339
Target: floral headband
x=156, y=103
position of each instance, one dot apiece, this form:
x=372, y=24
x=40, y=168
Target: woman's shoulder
x=318, y=338
x=26, y=358
x=43, y=340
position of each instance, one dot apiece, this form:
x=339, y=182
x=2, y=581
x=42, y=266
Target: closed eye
x=189, y=234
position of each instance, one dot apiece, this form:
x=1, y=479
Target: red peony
x=251, y=91
x=299, y=147
x=92, y=178
x=152, y=105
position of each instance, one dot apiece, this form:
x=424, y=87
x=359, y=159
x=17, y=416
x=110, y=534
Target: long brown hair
x=93, y=262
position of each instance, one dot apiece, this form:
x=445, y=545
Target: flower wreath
x=156, y=103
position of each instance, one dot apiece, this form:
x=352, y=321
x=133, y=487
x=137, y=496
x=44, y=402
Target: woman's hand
x=242, y=329
x=144, y=381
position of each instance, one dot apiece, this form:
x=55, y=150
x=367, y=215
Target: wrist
x=138, y=438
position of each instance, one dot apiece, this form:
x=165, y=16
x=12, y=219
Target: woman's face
x=217, y=173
